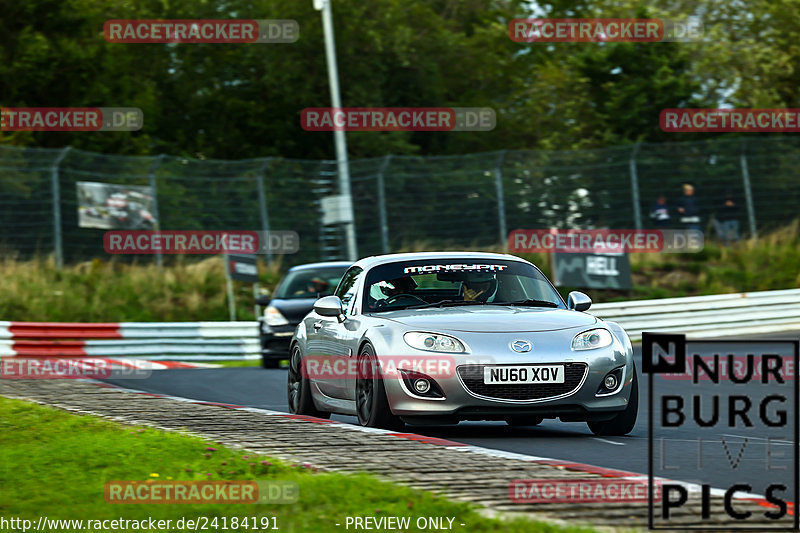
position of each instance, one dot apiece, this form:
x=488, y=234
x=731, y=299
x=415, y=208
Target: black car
x=293, y=299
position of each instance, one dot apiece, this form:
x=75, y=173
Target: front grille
x=472, y=377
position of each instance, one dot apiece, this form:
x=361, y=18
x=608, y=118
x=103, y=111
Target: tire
x=623, y=423
x=299, y=389
x=520, y=421
x=372, y=407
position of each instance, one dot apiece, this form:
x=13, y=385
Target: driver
x=315, y=285
x=479, y=287
x=402, y=285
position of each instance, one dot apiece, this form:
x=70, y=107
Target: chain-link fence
x=468, y=201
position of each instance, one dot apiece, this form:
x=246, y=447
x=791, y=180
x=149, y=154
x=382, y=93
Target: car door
x=349, y=333
x=328, y=340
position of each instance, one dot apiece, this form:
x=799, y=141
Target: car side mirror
x=578, y=301
x=329, y=306
x=263, y=300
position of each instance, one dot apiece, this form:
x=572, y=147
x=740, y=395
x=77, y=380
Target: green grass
x=239, y=362
x=102, y=291
x=111, y=291
x=56, y=464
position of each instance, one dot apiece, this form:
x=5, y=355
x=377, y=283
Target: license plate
x=508, y=375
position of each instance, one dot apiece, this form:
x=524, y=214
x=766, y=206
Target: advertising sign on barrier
x=592, y=270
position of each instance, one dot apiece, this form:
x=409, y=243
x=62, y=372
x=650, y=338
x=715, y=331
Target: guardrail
x=707, y=316
x=185, y=341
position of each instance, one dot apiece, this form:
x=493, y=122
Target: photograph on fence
x=109, y=206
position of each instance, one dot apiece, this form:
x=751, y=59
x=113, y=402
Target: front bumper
x=275, y=340
x=466, y=398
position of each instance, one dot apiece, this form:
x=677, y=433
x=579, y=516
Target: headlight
x=273, y=317
x=594, y=338
x=433, y=342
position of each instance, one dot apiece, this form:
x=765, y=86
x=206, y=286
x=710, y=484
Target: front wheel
x=622, y=423
x=372, y=407
x=299, y=389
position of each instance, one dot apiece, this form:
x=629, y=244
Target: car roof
x=324, y=264
x=375, y=260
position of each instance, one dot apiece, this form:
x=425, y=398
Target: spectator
x=688, y=210
x=726, y=220
x=660, y=212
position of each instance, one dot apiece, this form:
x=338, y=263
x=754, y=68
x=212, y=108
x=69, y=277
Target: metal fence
x=470, y=200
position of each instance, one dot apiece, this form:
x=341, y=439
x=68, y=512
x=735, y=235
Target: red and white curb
x=172, y=340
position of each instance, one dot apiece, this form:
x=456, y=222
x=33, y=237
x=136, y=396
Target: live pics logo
x=723, y=419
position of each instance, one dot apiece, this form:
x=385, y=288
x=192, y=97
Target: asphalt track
x=257, y=387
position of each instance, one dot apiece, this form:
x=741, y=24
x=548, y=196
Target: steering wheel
x=392, y=299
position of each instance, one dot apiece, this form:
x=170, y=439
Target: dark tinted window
x=309, y=283
x=412, y=283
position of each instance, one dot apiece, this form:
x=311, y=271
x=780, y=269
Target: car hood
x=490, y=319
x=294, y=309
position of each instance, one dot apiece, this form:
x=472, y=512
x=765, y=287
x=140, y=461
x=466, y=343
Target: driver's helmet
x=401, y=285
x=483, y=283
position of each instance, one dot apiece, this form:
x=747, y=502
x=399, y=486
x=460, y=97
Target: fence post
x=637, y=207
x=262, y=207
x=382, y=217
x=58, y=245
x=748, y=192
x=501, y=202
x=151, y=179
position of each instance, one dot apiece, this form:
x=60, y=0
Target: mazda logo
x=521, y=346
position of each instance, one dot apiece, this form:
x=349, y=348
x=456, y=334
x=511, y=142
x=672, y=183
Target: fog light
x=610, y=382
x=422, y=386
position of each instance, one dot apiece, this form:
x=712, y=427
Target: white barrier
x=704, y=316
x=707, y=316
x=176, y=341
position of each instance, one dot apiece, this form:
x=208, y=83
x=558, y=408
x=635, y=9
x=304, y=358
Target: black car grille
x=472, y=377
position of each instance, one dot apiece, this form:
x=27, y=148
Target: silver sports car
x=434, y=338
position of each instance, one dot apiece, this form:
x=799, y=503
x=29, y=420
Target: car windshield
x=309, y=283
x=457, y=282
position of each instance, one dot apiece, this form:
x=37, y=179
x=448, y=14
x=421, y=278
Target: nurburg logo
x=521, y=346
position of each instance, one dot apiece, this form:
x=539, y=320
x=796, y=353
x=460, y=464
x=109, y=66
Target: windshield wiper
x=531, y=303
x=446, y=303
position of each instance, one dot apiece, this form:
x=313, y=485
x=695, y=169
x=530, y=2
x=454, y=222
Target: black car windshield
x=457, y=282
x=309, y=283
